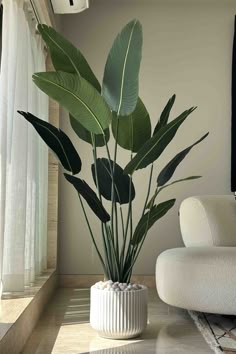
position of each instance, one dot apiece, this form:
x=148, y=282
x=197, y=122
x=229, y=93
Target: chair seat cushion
x=198, y=278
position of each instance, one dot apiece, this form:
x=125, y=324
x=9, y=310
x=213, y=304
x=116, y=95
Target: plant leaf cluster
x=95, y=111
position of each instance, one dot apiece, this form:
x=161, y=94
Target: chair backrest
x=208, y=220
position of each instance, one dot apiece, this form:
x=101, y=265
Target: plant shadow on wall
x=92, y=110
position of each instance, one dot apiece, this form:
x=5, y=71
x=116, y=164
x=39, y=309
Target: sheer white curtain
x=23, y=157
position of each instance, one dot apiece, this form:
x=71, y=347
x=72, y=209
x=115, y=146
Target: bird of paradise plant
x=92, y=110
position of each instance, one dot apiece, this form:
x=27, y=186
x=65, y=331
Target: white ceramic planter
x=118, y=315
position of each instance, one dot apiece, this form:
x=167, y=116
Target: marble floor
x=64, y=329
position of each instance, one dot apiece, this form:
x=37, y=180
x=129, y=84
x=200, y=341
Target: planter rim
x=144, y=287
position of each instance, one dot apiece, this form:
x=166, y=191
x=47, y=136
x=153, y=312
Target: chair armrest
x=208, y=220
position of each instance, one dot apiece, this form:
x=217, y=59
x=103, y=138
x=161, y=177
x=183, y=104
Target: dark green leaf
x=181, y=180
x=80, y=98
x=105, y=181
x=152, y=200
x=148, y=219
x=57, y=141
x=153, y=148
x=165, y=115
x=120, y=82
x=134, y=129
x=170, y=168
x=85, y=135
x=90, y=196
x=65, y=56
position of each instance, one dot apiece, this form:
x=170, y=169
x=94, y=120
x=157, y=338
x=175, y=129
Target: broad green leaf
x=90, y=196
x=133, y=130
x=65, y=56
x=168, y=171
x=153, y=148
x=149, y=218
x=121, y=181
x=57, y=141
x=120, y=83
x=85, y=135
x=80, y=98
x=165, y=114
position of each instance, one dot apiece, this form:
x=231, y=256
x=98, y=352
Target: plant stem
x=114, y=207
x=133, y=254
x=138, y=249
x=125, y=238
x=92, y=236
x=95, y=165
x=112, y=180
x=107, y=260
x=113, y=203
x=149, y=189
x=129, y=220
x=116, y=275
x=117, y=233
x=122, y=221
x=108, y=252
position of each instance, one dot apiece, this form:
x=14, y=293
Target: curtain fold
x=23, y=157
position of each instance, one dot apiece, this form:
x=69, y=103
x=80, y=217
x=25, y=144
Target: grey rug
x=218, y=330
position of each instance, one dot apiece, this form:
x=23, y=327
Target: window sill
x=14, y=310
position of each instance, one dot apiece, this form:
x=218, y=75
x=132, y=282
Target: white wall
x=187, y=51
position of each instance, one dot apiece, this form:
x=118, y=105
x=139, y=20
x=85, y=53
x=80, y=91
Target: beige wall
x=187, y=51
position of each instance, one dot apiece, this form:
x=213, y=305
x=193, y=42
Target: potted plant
x=118, y=307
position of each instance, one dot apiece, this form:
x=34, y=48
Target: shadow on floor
x=162, y=339
x=130, y=348
x=67, y=307
x=64, y=329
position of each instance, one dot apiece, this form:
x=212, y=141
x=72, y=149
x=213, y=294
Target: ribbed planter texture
x=118, y=315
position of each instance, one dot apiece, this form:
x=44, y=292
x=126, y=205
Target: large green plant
x=92, y=109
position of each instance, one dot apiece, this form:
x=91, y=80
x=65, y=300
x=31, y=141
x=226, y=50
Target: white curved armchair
x=202, y=276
